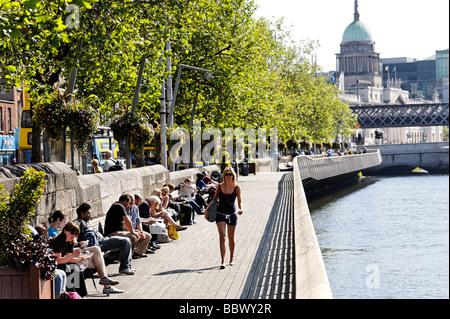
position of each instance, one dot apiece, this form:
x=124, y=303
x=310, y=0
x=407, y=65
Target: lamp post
x=207, y=75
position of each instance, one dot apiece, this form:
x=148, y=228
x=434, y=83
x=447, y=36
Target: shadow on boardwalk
x=184, y=271
x=272, y=273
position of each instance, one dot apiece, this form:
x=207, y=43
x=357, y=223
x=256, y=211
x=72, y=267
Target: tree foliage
x=261, y=78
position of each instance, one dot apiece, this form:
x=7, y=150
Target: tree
x=262, y=79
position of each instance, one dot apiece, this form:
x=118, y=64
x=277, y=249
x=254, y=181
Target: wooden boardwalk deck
x=188, y=268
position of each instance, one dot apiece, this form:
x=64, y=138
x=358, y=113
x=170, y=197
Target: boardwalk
x=188, y=268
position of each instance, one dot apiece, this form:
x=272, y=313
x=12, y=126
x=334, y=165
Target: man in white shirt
x=108, y=161
x=187, y=191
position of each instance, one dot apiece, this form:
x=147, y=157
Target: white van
x=352, y=146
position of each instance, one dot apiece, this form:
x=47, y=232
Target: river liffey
x=387, y=237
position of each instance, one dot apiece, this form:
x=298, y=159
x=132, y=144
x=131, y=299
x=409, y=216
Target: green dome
x=357, y=31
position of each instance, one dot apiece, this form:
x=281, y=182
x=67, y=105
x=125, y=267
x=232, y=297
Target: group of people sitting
x=126, y=235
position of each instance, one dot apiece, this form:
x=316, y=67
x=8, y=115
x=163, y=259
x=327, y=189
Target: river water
x=387, y=237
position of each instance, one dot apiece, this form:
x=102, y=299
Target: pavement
x=189, y=268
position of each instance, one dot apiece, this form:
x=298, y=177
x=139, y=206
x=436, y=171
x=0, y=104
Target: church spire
x=356, y=11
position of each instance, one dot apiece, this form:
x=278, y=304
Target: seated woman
x=60, y=275
x=204, y=186
x=164, y=196
x=157, y=211
x=56, y=221
x=67, y=250
x=96, y=166
x=169, y=204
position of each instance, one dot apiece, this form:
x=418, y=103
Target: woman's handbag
x=212, y=211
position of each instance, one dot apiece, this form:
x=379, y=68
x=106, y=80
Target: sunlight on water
x=387, y=239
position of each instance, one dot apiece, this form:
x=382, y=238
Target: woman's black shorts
x=230, y=219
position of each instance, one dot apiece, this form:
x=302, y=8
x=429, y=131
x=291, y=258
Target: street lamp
x=207, y=75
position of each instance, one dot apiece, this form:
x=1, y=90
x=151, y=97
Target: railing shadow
x=272, y=273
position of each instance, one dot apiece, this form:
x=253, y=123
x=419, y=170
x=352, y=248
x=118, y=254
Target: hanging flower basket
x=137, y=126
x=82, y=123
x=51, y=113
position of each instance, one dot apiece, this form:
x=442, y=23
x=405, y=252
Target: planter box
x=16, y=284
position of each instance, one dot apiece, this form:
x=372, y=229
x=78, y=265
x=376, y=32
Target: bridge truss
x=377, y=116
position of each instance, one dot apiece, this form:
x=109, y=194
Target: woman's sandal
x=181, y=228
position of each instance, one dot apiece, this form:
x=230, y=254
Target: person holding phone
x=67, y=250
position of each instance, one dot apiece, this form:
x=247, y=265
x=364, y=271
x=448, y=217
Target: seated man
x=112, y=243
x=206, y=184
x=118, y=223
x=144, y=237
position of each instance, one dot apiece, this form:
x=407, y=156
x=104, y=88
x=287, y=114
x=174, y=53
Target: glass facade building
x=423, y=79
x=442, y=77
x=417, y=77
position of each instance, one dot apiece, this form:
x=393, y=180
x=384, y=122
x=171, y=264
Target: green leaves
x=261, y=79
x=16, y=210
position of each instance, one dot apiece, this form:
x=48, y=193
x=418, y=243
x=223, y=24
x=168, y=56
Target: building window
x=9, y=120
x=1, y=119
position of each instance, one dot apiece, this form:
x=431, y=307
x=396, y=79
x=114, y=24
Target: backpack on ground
x=186, y=214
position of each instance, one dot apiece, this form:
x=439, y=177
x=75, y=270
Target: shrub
x=17, y=249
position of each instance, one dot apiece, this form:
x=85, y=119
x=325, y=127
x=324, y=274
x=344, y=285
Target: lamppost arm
x=177, y=83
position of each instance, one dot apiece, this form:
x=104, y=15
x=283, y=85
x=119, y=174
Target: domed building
x=358, y=64
x=359, y=73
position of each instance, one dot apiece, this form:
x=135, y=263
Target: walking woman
x=226, y=193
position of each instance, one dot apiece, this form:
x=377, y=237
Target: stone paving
x=188, y=268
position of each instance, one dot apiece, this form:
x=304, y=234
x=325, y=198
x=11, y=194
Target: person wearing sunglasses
x=227, y=193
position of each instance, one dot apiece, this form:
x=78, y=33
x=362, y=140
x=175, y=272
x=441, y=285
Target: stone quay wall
x=65, y=190
x=319, y=167
x=311, y=280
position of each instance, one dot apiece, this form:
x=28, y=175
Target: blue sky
x=400, y=28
